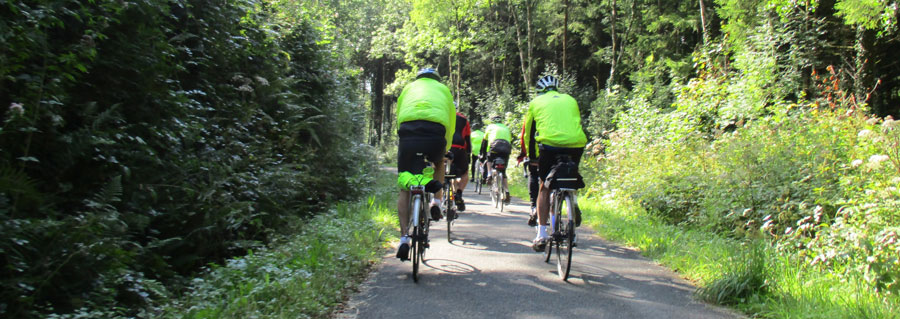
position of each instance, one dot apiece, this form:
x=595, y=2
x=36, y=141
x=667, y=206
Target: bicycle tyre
x=495, y=190
x=564, y=245
x=554, y=210
x=501, y=195
x=414, y=246
x=449, y=223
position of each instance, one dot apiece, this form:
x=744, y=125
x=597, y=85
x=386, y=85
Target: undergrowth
x=753, y=276
x=304, y=275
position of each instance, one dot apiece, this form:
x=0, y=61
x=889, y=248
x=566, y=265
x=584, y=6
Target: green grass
x=301, y=276
x=749, y=276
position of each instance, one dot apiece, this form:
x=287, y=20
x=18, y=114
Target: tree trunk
x=519, y=45
x=566, y=35
x=530, y=77
x=613, y=20
x=377, y=102
x=703, y=22
x=864, y=77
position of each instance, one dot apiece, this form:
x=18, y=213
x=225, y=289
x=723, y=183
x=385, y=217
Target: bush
x=147, y=139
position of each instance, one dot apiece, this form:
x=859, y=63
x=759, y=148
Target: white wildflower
x=864, y=133
x=873, y=121
x=245, y=88
x=888, y=122
x=16, y=109
x=876, y=159
x=856, y=163
x=261, y=80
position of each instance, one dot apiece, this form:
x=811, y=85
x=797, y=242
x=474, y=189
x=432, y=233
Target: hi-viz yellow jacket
x=429, y=100
x=552, y=119
x=494, y=132
x=477, y=137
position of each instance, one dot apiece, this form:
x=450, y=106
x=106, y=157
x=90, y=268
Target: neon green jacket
x=553, y=119
x=496, y=131
x=429, y=100
x=477, y=136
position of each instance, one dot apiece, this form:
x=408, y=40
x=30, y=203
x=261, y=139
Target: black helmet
x=428, y=73
x=546, y=83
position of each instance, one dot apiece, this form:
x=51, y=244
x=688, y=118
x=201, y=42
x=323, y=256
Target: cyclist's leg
x=403, y=211
x=533, y=184
x=462, y=172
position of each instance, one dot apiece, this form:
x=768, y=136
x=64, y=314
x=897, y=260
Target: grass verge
x=301, y=276
x=752, y=277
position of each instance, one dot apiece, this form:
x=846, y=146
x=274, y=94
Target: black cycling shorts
x=460, y=164
x=419, y=140
x=499, y=149
x=548, y=155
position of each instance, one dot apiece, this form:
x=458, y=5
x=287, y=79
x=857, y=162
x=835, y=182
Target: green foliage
x=869, y=14
x=301, y=275
x=150, y=138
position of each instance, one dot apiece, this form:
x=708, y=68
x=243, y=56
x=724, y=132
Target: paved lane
x=490, y=271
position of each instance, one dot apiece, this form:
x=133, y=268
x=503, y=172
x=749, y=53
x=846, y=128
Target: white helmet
x=546, y=83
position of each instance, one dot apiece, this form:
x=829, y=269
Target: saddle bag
x=564, y=175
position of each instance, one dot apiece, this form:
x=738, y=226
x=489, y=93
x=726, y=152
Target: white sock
x=404, y=240
x=436, y=202
x=542, y=231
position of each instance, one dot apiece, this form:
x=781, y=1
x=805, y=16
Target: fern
x=15, y=181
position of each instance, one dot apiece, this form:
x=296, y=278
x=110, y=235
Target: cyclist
x=462, y=150
x=496, y=144
x=532, y=167
x=426, y=117
x=552, y=127
x=477, y=136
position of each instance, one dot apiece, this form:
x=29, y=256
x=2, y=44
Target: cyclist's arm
x=451, y=113
x=467, y=136
x=522, y=151
x=528, y=134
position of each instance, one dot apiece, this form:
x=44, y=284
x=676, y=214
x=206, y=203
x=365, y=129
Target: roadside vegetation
x=306, y=274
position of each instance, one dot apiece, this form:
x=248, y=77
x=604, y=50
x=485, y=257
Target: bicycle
x=479, y=175
x=418, y=224
x=449, y=206
x=563, y=205
x=498, y=193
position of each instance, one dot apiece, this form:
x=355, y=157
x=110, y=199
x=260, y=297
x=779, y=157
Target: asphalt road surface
x=490, y=271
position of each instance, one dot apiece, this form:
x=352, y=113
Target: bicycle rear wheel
x=414, y=246
x=501, y=193
x=449, y=224
x=567, y=235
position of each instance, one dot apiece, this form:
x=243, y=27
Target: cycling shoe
x=435, y=212
x=539, y=244
x=460, y=204
x=532, y=220
x=577, y=216
x=403, y=252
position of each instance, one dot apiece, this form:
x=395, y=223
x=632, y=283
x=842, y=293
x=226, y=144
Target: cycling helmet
x=546, y=83
x=428, y=73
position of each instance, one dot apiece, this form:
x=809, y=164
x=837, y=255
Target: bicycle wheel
x=501, y=194
x=449, y=223
x=564, y=245
x=414, y=246
x=477, y=177
x=548, y=251
x=494, y=191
